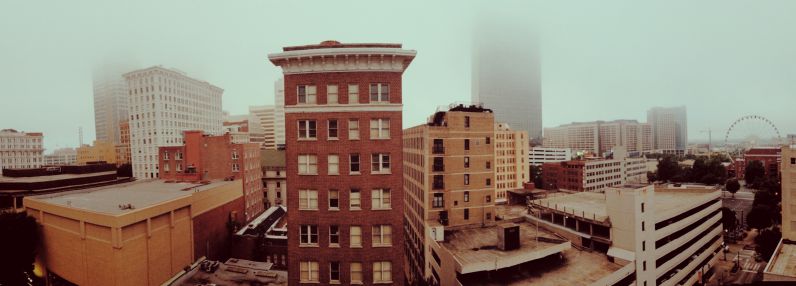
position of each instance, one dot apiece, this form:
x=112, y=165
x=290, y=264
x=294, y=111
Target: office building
x=511, y=164
x=163, y=104
x=659, y=235
x=345, y=196
x=110, y=106
x=204, y=158
x=540, y=155
x=60, y=157
x=279, y=112
x=266, y=115
x=781, y=267
x=100, y=151
x=20, y=150
x=246, y=129
x=594, y=174
x=599, y=137
x=669, y=129
x=274, y=177
x=123, y=148
x=506, y=75
x=138, y=233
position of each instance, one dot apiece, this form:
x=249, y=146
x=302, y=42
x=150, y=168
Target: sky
x=601, y=60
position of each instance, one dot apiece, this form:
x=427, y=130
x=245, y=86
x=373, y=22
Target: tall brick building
x=205, y=158
x=344, y=162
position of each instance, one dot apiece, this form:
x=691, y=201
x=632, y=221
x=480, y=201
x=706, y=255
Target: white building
x=599, y=137
x=266, y=116
x=541, y=155
x=669, y=128
x=20, y=150
x=61, y=157
x=665, y=234
x=245, y=129
x=279, y=112
x=110, y=106
x=163, y=104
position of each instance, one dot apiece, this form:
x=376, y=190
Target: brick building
x=343, y=117
x=771, y=158
x=204, y=158
x=595, y=174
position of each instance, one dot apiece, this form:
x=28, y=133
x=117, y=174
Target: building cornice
x=343, y=60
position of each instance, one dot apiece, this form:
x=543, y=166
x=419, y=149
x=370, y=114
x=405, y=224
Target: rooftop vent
x=126, y=207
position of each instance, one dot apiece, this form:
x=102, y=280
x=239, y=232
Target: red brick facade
x=212, y=237
x=770, y=157
x=322, y=253
x=205, y=158
x=566, y=175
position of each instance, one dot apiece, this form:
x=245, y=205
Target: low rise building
x=770, y=157
x=540, y=155
x=61, y=157
x=20, y=150
x=138, y=233
x=665, y=234
x=274, y=177
x=234, y=271
x=100, y=151
x=265, y=238
x=592, y=174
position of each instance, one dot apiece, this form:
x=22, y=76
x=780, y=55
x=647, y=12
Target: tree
x=760, y=217
x=764, y=198
x=767, y=242
x=668, y=168
x=754, y=171
x=732, y=186
x=18, y=243
x=728, y=218
x=652, y=177
x=536, y=176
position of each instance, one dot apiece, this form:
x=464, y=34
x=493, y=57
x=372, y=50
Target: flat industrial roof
x=581, y=267
x=784, y=261
x=140, y=194
x=235, y=272
x=476, y=249
x=37, y=179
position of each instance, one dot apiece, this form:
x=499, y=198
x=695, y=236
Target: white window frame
x=353, y=129
x=382, y=92
x=380, y=165
x=355, y=199
x=380, y=128
x=379, y=272
x=309, y=126
x=308, y=200
x=336, y=195
x=333, y=164
x=310, y=94
x=352, y=234
x=306, y=235
x=311, y=270
x=356, y=273
x=307, y=164
x=332, y=94
x=351, y=164
x=353, y=94
x=381, y=235
x=329, y=129
x=380, y=199
x=335, y=244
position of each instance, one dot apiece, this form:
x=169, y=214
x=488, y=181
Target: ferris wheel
x=753, y=130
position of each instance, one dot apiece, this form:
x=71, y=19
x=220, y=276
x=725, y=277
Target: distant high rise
x=246, y=128
x=279, y=112
x=600, y=137
x=506, y=75
x=110, y=105
x=669, y=129
x=266, y=115
x=163, y=104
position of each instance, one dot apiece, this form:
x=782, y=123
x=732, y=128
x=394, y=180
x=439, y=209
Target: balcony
x=438, y=149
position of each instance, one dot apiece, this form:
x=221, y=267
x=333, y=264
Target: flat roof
x=140, y=194
x=581, y=267
x=37, y=179
x=590, y=203
x=476, y=249
x=784, y=260
x=238, y=273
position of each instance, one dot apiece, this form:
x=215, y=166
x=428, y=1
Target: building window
x=309, y=271
x=235, y=155
x=642, y=207
x=178, y=156
x=381, y=235
x=379, y=92
x=644, y=265
x=467, y=122
x=235, y=167
x=355, y=199
x=332, y=128
x=488, y=182
x=466, y=144
x=334, y=235
x=643, y=245
x=466, y=196
x=380, y=163
x=333, y=164
x=356, y=236
x=356, y=272
x=380, y=199
x=307, y=164
x=166, y=167
x=488, y=198
x=467, y=162
x=488, y=140
x=382, y=272
x=380, y=129
x=334, y=271
x=466, y=214
x=488, y=165
x=166, y=155
x=353, y=94
x=353, y=129
x=331, y=94
x=353, y=164
x=334, y=199
x=642, y=225
x=438, y=183
x=792, y=161
x=179, y=167
x=306, y=94
x=438, y=200
x=308, y=235
x=308, y=199
x=466, y=179
x=307, y=129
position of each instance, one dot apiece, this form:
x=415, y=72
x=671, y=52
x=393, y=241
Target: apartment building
x=164, y=103
x=20, y=150
x=99, y=151
x=511, y=164
x=670, y=129
x=274, y=177
x=599, y=137
x=60, y=157
x=659, y=235
x=344, y=164
x=540, y=155
x=204, y=158
x=595, y=173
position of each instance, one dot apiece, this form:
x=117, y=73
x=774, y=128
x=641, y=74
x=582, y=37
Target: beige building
x=61, y=157
x=123, y=148
x=782, y=265
x=20, y=150
x=139, y=233
x=99, y=151
x=265, y=117
x=511, y=164
x=110, y=105
x=670, y=129
x=274, y=177
x=599, y=137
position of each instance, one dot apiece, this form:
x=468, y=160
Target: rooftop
x=272, y=158
x=475, y=249
x=335, y=44
x=233, y=272
x=52, y=177
x=139, y=194
x=783, y=262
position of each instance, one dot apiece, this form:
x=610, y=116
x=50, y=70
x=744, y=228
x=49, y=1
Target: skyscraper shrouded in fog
x=110, y=105
x=506, y=74
x=669, y=129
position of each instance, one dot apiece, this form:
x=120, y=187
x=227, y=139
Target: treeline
x=709, y=171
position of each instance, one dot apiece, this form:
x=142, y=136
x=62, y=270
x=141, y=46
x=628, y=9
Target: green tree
x=754, y=172
x=728, y=218
x=18, y=243
x=767, y=242
x=765, y=199
x=668, y=168
x=652, y=177
x=760, y=217
x=732, y=186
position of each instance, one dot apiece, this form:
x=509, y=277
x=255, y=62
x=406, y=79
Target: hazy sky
x=601, y=60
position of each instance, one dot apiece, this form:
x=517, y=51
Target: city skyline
x=634, y=60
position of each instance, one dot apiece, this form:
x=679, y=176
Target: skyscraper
x=266, y=115
x=279, y=112
x=669, y=129
x=506, y=75
x=110, y=105
x=163, y=104
x=344, y=162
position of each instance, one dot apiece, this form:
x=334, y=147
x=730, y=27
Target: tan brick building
x=99, y=151
x=511, y=160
